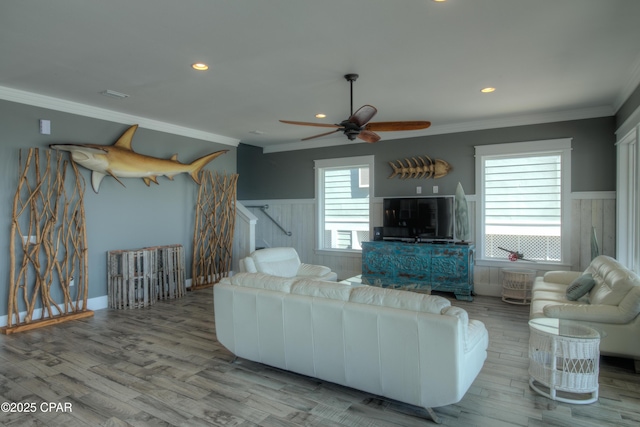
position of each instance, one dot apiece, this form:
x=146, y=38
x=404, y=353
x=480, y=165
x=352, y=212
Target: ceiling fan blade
x=395, y=126
x=321, y=125
x=363, y=115
x=318, y=136
x=368, y=136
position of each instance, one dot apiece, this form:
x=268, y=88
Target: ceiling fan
x=358, y=126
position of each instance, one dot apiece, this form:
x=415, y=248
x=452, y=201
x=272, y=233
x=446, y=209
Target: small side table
x=516, y=285
x=564, y=356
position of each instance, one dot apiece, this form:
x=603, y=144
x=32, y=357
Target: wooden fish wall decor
x=420, y=168
x=120, y=161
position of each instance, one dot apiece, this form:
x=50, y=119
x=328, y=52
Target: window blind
x=523, y=195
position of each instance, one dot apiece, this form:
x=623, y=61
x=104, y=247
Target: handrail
x=264, y=208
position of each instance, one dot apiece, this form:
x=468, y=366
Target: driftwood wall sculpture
x=420, y=168
x=214, y=227
x=48, y=247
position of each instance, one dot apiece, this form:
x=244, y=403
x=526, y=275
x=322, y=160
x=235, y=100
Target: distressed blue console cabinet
x=444, y=267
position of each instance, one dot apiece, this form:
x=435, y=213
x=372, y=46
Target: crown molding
x=57, y=104
x=630, y=124
x=524, y=120
x=512, y=121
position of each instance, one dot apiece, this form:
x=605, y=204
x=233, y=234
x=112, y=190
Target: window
x=524, y=204
x=343, y=190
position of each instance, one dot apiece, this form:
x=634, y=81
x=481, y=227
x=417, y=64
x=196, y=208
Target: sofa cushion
x=601, y=313
x=561, y=277
x=262, y=281
x=399, y=299
x=579, y=287
x=538, y=306
x=317, y=288
x=540, y=285
x=551, y=296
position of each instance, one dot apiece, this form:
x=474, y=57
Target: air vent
x=114, y=94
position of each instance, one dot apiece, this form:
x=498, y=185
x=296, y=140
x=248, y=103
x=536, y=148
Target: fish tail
x=396, y=170
x=197, y=165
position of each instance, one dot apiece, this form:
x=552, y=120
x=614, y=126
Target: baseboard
x=97, y=303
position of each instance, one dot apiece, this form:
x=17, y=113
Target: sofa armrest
x=311, y=270
x=599, y=313
x=561, y=277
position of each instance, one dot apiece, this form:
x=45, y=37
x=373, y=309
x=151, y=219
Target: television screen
x=419, y=218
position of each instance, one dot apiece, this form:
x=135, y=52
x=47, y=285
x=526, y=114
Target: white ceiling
x=285, y=59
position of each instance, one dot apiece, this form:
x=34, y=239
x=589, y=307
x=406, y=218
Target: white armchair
x=284, y=262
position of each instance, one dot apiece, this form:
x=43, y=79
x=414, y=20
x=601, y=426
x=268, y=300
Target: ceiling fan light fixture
x=358, y=124
x=488, y=89
x=200, y=66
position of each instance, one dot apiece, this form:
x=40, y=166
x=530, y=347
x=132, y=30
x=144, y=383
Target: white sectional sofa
x=406, y=346
x=612, y=306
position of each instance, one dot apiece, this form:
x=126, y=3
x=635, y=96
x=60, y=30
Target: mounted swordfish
x=119, y=160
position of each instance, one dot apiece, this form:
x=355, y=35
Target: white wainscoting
x=298, y=216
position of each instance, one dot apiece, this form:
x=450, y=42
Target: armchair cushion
x=310, y=270
x=284, y=262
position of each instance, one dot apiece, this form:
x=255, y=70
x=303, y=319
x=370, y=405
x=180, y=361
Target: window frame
x=628, y=199
x=337, y=163
x=561, y=146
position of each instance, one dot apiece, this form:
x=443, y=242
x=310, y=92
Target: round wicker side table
x=516, y=285
x=564, y=357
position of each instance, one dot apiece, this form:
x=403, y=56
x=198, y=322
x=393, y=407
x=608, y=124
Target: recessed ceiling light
x=320, y=116
x=488, y=90
x=200, y=66
x=439, y=1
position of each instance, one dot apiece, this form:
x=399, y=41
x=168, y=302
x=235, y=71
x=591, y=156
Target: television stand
x=445, y=267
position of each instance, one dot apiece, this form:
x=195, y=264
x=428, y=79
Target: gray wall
x=628, y=107
x=117, y=217
x=290, y=175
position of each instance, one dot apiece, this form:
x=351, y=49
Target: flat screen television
x=419, y=218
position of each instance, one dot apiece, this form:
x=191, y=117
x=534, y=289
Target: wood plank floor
x=162, y=366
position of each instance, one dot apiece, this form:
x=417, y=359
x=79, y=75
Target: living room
x=278, y=170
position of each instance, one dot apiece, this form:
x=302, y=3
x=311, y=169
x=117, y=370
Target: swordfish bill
x=120, y=161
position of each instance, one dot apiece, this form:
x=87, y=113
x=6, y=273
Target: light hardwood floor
x=162, y=366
